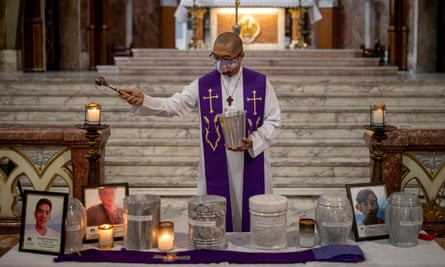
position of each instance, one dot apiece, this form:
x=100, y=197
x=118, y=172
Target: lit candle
x=166, y=236
x=378, y=115
x=93, y=111
x=105, y=236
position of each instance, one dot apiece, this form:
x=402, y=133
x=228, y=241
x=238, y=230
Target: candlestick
x=166, y=236
x=378, y=125
x=105, y=236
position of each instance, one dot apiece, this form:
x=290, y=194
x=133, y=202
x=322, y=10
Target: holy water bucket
x=233, y=124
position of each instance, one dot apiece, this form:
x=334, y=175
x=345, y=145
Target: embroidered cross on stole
x=215, y=162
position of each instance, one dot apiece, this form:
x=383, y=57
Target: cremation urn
x=268, y=221
x=207, y=222
x=333, y=215
x=141, y=218
x=403, y=219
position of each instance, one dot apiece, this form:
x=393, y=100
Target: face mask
x=226, y=66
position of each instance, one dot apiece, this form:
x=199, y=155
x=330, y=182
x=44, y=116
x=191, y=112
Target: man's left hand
x=247, y=144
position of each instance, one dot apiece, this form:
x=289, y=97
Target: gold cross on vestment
x=210, y=97
x=254, y=99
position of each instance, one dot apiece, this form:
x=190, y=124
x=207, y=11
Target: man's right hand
x=132, y=96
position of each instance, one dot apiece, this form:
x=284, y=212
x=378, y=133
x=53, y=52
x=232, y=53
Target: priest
x=236, y=173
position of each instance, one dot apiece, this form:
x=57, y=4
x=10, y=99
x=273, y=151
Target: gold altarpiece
x=261, y=24
x=261, y=28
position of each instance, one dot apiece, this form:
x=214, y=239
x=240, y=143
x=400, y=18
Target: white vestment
x=188, y=100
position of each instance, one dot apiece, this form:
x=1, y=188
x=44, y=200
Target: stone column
x=368, y=25
x=128, y=23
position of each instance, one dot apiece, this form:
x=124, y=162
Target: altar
x=376, y=253
x=261, y=24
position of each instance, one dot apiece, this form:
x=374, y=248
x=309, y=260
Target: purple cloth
x=215, y=162
x=331, y=253
x=254, y=85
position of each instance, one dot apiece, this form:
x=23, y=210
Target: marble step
x=287, y=98
x=182, y=171
x=290, y=93
x=190, y=130
x=397, y=115
x=312, y=62
x=66, y=90
x=204, y=53
x=249, y=62
x=185, y=147
x=269, y=70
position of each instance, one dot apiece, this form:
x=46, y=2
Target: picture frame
x=97, y=211
x=368, y=201
x=42, y=228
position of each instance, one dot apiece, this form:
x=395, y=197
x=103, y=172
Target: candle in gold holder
x=105, y=236
x=166, y=235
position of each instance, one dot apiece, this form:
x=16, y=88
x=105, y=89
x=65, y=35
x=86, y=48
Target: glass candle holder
x=306, y=231
x=166, y=236
x=92, y=114
x=105, y=236
x=378, y=114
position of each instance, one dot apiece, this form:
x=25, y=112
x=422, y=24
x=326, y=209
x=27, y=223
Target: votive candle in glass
x=378, y=115
x=105, y=236
x=306, y=231
x=93, y=113
x=166, y=235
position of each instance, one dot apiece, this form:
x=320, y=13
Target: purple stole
x=215, y=162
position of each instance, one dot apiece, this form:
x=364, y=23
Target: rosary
x=229, y=99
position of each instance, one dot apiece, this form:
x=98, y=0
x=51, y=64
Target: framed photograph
x=42, y=227
x=368, y=202
x=105, y=205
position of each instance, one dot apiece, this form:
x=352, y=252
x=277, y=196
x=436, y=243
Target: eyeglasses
x=215, y=57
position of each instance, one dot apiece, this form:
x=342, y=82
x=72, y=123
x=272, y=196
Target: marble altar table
x=377, y=253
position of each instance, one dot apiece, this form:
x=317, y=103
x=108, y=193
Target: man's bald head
x=230, y=39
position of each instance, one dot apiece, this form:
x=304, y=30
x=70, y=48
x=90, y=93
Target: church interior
x=331, y=63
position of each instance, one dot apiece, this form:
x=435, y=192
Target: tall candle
x=166, y=236
x=93, y=112
x=105, y=236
